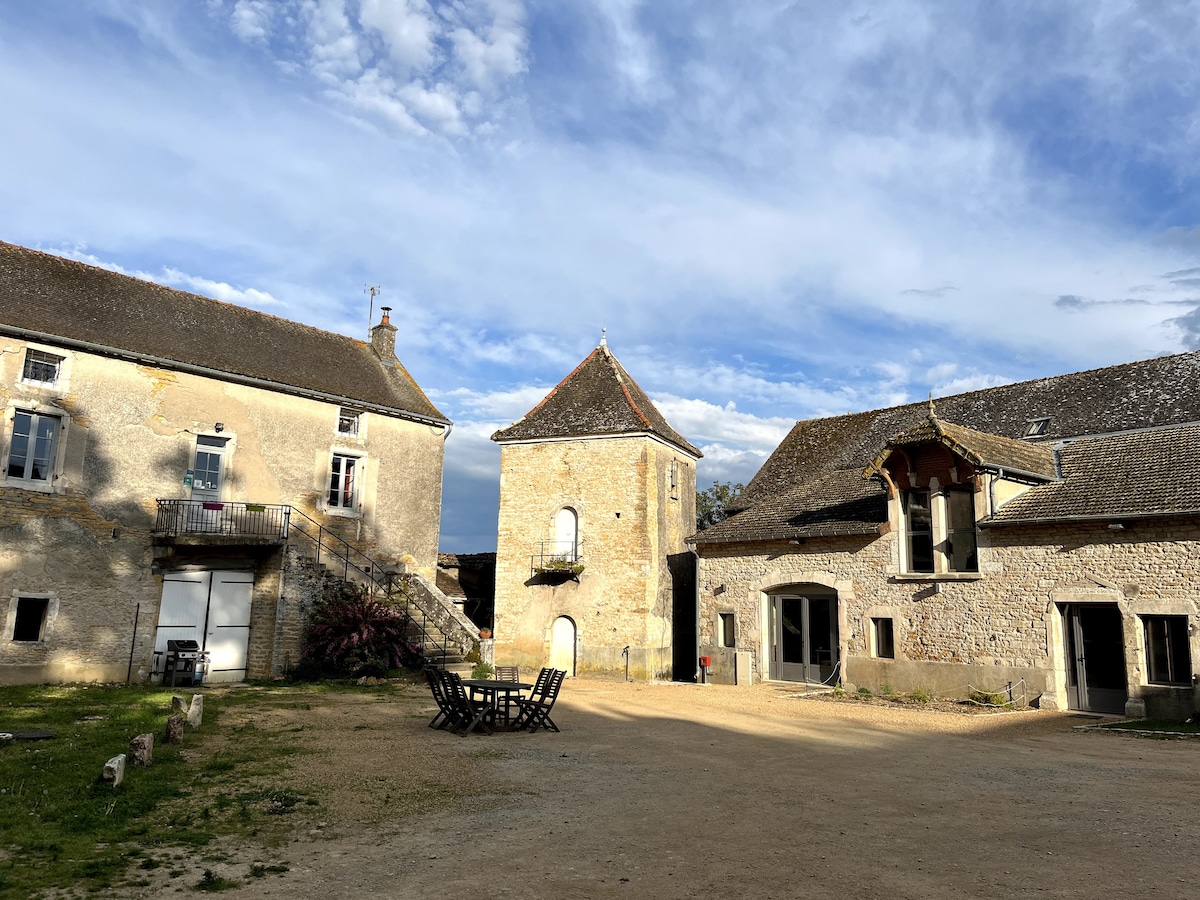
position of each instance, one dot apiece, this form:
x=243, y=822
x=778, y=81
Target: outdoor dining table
x=492, y=690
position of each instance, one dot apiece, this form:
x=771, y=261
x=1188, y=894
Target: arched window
x=566, y=534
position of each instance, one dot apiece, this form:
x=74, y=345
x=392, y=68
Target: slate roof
x=842, y=502
x=1126, y=475
x=1135, y=395
x=814, y=481
x=984, y=451
x=59, y=301
x=597, y=399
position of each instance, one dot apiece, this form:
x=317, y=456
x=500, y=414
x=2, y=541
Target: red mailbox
x=705, y=661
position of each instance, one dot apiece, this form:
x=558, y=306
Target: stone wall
x=630, y=519
x=1003, y=625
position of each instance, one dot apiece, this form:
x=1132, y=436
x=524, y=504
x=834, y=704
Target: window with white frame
x=343, y=481
x=41, y=367
x=31, y=447
x=348, y=421
x=939, y=529
x=1168, y=657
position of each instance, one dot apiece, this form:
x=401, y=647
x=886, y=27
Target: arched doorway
x=566, y=534
x=803, y=623
x=562, y=644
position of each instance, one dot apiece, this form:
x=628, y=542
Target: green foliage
x=351, y=634
x=838, y=690
x=887, y=690
x=562, y=564
x=482, y=671
x=921, y=695
x=712, y=504
x=210, y=882
x=988, y=698
x=864, y=692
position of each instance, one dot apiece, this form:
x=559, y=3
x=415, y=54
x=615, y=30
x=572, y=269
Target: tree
x=712, y=504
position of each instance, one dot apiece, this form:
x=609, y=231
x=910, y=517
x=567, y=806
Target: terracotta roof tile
x=59, y=298
x=599, y=398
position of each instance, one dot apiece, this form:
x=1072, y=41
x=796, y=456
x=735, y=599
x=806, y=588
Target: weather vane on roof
x=603, y=336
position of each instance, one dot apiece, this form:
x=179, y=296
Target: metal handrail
x=280, y=521
x=366, y=568
x=552, y=556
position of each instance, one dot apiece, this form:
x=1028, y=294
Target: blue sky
x=778, y=209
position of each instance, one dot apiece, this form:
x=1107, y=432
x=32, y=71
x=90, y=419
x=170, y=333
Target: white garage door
x=213, y=609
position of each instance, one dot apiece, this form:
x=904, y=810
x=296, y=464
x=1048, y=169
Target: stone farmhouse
x=597, y=497
x=1044, y=535
x=176, y=468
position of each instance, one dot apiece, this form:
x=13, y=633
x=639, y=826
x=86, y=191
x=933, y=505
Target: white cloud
x=251, y=19
x=409, y=29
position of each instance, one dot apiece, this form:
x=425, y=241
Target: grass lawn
x=62, y=827
x=1156, y=725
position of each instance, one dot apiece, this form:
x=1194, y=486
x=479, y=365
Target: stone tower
x=597, y=495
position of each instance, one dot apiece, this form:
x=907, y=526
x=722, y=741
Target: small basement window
x=727, y=626
x=31, y=618
x=883, y=639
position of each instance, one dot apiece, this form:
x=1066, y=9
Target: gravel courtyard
x=671, y=791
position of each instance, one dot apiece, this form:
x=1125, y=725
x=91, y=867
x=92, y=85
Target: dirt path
x=672, y=791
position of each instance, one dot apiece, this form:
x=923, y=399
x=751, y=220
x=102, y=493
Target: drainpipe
x=133, y=642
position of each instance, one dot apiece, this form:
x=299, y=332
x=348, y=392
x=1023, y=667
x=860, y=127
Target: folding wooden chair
x=438, y=689
x=469, y=715
x=535, y=711
x=509, y=701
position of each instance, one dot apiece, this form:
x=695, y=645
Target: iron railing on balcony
x=199, y=517
x=557, y=557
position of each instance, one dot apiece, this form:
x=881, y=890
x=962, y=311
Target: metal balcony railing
x=225, y=518
x=557, y=557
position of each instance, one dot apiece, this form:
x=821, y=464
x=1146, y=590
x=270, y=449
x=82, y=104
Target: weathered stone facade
x=1005, y=625
x=125, y=437
x=630, y=520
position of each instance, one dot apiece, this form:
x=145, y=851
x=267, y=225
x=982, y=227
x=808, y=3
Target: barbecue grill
x=183, y=664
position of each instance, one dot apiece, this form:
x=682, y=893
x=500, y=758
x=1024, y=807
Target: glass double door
x=804, y=637
x=1095, y=658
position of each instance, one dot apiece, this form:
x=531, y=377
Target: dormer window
x=348, y=421
x=939, y=530
x=1036, y=427
x=41, y=367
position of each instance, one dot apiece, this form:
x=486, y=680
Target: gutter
x=1098, y=517
x=217, y=374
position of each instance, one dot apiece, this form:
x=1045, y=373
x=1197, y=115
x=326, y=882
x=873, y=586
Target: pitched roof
x=597, y=399
x=835, y=503
x=54, y=300
x=1135, y=395
x=1144, y=473
x=984, y=451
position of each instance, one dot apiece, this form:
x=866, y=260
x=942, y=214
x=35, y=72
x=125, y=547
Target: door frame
x=807, y=671
x=209, y=628
x=1079, y=695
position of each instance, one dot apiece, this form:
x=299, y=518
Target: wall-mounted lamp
x=219, y=427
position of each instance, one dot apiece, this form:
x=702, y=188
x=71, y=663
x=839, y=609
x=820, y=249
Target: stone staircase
x=446, y=636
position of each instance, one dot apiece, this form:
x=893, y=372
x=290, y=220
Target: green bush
x=482, y=670
x=864, y=692
x=921, y=695
x=988, y=698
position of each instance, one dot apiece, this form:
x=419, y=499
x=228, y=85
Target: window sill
x=938, y=576
x=342, y=512
x=42, y=487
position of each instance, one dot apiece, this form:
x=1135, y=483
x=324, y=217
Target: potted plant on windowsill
x=559, y=565
x=485, y=634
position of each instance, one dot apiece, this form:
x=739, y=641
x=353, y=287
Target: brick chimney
x=383, y=338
